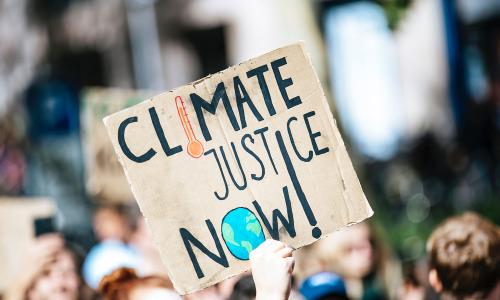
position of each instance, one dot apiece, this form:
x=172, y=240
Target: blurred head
x=60, y=281
x=464, y=257
x=323, y=286
x=106, y=257
x=348, y=251
x=111, y=223
x=244, y=289
x=124, y=284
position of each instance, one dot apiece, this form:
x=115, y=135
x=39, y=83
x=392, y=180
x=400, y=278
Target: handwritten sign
x=221, y=164
x=105, y=180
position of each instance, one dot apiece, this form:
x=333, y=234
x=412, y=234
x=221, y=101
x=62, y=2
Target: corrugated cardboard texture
x=184, y=199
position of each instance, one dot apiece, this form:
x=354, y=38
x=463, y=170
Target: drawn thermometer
x=194, y=147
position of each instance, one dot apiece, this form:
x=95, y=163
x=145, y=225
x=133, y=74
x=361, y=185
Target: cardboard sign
x=223, y=163
x=17, y=231
x=105, y=180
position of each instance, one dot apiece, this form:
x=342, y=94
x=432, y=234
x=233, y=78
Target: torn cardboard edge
x=350, y=195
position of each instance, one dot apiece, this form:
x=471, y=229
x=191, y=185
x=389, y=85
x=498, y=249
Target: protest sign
x=17, y=231
x=223, y=163
x=105, y=180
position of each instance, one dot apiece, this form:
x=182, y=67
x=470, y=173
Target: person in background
x=124, y=242
x=464, y=258
x=355, y=254
x=111, y=222
x=244, y=289
x=113, y=228
x=415, y=284
x=50, y=272
x=142, y=242
x=324, y=286
x=124, y=284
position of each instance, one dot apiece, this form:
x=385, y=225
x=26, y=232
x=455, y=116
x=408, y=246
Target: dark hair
x=465, y=252
x=77, y=254
x=244, y=289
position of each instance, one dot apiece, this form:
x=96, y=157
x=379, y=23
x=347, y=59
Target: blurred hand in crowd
x=49, y=272
x=272, y=265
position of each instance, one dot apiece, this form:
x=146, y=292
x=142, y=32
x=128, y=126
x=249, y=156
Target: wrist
x=270, y=296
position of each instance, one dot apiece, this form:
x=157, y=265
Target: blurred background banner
x=413, y=84
x=105, y=179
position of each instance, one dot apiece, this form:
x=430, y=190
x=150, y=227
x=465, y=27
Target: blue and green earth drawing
x=242, y=232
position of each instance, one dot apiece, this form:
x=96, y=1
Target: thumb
x=290, y=262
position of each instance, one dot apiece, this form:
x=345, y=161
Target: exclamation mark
x=316, y=231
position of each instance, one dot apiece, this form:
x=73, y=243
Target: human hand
x=42, y=253
x=38, y=258
x=272, y=265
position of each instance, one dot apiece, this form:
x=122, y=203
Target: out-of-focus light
x=363, y=76
x=417, y=208
x=477, y=10
x=413, y=247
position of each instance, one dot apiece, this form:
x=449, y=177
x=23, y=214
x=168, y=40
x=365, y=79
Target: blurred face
x=154, y=293
x=350, y=250
x=141, y=237
x=110, y=225
x=358, y=251
x=59, y=282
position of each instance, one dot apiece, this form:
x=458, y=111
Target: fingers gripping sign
x=220, y=164
x=272, y=266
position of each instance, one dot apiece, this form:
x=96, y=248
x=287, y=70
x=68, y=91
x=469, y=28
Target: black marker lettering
x=199, y=104
x=243, y=144
x=261, y=131
x=316, y=231
x=284, y=83
x=259, y=72
x=244, y=185
x=292, y=141
x=161, y=135
x=123, y=144
x=288, y=224
x=314, y=135
x=190, y=241
x=226, y=189
x=242, y=97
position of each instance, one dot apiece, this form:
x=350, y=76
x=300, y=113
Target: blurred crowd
x=352, y=263
x=414, y=85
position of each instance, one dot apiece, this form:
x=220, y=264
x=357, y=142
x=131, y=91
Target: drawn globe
x=242, y=232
